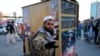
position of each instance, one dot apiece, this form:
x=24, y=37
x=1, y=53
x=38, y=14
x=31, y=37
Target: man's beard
x=50, y=31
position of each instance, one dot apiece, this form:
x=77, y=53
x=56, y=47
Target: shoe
x=96, y=43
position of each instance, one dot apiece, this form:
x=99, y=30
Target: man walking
x=15, y=31
x=10, y=33
x=79, y=30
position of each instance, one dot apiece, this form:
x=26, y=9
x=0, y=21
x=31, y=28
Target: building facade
x=98, y=10
x=95, y=10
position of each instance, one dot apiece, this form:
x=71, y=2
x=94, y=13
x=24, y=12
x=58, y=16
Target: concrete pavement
x=82, y=48
x=12, y=49
x=85, y=49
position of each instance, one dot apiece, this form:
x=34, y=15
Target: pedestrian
x=21, y=30
x=95, y=31
x=10, y=33
x=22, y=35
x=17, y=28
x=85, y=30
x=98, y=27
x=27, y=30
x=44, y=42
x=15, y=31
x=90, y=31
x=79, y=30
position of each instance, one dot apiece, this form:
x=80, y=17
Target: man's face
x=49, y=24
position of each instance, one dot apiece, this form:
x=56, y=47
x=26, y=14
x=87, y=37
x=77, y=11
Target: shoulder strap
x=35, y=34
x=38, y=32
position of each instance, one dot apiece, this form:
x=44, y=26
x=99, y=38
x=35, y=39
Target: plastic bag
x=17, y=36
x=90, y=32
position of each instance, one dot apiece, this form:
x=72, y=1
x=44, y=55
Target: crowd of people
x=91, y=28
x=44, y=40
x=14, y=32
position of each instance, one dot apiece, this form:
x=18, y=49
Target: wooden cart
x=65, y=13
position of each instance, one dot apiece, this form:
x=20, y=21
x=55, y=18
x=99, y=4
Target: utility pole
x=14, y=14
x=0, y=17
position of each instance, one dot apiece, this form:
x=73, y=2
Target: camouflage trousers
x=46, y=52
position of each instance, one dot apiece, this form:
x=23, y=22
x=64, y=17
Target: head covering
x=8, y=21
x=12, y=21
x=70, y=31
x=70, y=34
x=48, y=18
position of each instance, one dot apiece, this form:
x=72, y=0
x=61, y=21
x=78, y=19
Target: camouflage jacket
x=42, y=38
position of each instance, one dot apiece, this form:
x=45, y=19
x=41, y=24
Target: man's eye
x=50, y=24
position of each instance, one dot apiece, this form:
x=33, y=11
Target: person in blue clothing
x=79, y=30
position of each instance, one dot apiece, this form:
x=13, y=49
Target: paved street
x=85, y=49
x=82, y=48
x=12, y=49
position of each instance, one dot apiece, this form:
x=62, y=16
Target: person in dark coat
x=96, y=31
x=10, y=33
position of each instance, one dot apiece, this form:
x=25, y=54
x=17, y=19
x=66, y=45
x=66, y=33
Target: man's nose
x=51, y=27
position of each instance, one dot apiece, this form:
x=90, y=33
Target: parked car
x=3, y=30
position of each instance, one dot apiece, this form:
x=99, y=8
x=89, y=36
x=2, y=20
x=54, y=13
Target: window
x=68, y=8
x=67, y=22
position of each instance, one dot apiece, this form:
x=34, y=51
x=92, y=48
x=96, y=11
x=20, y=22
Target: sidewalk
x=11, y=50
x=85, y=49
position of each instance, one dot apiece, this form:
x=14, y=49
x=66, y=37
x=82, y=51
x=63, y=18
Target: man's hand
x=50, y=45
